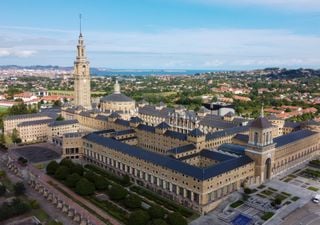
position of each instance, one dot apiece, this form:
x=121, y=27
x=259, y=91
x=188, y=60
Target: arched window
x=255, y=138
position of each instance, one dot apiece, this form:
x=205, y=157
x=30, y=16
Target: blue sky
x=171, y=34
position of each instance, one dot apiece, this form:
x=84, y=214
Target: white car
x=316, y=199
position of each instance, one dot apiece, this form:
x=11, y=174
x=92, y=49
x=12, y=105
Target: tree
x=52, y=167
x=59, y=118
x=77, y=168
x=67, y=162
x=176, y=219
x=85, y=187
x=158, y=222
x=132, y=202
x=62, y=173
x=117, y=192
x=57, y=103
x=3, y=190
x=15, y=136
x=19, y=188
x=156, y=212
x=100, y=183
x=72, y=180
x=139, y=217
x=126, y=180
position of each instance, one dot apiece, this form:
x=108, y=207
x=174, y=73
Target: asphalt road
x=309, y=214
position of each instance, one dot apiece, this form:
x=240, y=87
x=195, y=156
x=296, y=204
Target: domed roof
x=116, y=96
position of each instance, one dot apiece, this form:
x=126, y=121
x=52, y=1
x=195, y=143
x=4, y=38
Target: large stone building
x=81, y=75
x=196, y=169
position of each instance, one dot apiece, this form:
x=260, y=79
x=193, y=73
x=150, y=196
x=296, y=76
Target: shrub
x=34, y=204
x=132, y=202
x=156, y=212
x=139, y=217
x=100, y=183
x=267, y=215
x=176, y=219
x=52, y=167
x=62, y=172
x=236, y=204
x=72, y=180
x=3, y=190
x=117, y=192
x=158, y=222
x=247, y=190
x=84, y=187
x=19, y=188
x=77, y=168
x=67, y=162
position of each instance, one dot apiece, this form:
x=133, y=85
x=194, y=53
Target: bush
x=77, y=168
x=3, y=190
x=267, y=215
x=52, y=167
x=72, y=180
x=277, y=201
x=176, y=219
x=67, y=162
x=34, y=204
x=84, y=187
x=117, y=192
x=247, y=191
x=91, y=176
x=19, y=188
x=62, y=172
x=139, y=217
x=156, y=212
x=236, y=204
x=132, y=202
x=100, y=183
x=12, y=209
x=158, y=222
x=126, y=180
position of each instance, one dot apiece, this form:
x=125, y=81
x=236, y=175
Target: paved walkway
x=50, y=209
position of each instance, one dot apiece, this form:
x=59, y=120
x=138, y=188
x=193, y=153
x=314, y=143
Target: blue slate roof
x=146, y=128
x=182, y=149
x=62, y=123
x=122, y=122
x=169, y=162
x=292, y=137
x=242, y=137
x=136, y=119
x=226, y=132
x=163, y=125
x=196, y=133
x=175, y=134
x=35, y=122
x=215, y=155
x=232, y=148
x=124, y=132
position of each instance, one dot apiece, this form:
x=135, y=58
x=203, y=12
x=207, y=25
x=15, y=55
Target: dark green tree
x=132, y=202
x=156, y=212
x=72, y=180
x=52, y=167
x=176, y=219
x=85, y=187
x=139, y=217
x=158, y=222
x=19, y=188
x=62, y=172
x=100, y=183
x=117, y=192
x=2, y=190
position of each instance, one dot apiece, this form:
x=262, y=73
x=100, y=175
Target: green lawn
x=267, y=215
x=3, y=109
x=313, y=188
x=236, y=204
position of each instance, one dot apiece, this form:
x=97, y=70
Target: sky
x=163, y=34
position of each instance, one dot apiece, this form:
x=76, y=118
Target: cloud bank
x=172, y=48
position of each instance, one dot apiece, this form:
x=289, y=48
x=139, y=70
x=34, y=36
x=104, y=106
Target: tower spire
x=262, y=111
x=80, y=18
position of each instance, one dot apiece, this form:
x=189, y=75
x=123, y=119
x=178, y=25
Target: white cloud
x=5, y=52
x=297, y=5
x=173, y=48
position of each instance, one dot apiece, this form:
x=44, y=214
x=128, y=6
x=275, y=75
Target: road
x=309, y=214
x=49, y=208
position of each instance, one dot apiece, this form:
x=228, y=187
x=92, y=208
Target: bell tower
x=81, y=75
x=260, y=147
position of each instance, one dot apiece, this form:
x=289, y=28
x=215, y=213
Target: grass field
x=3, y=109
